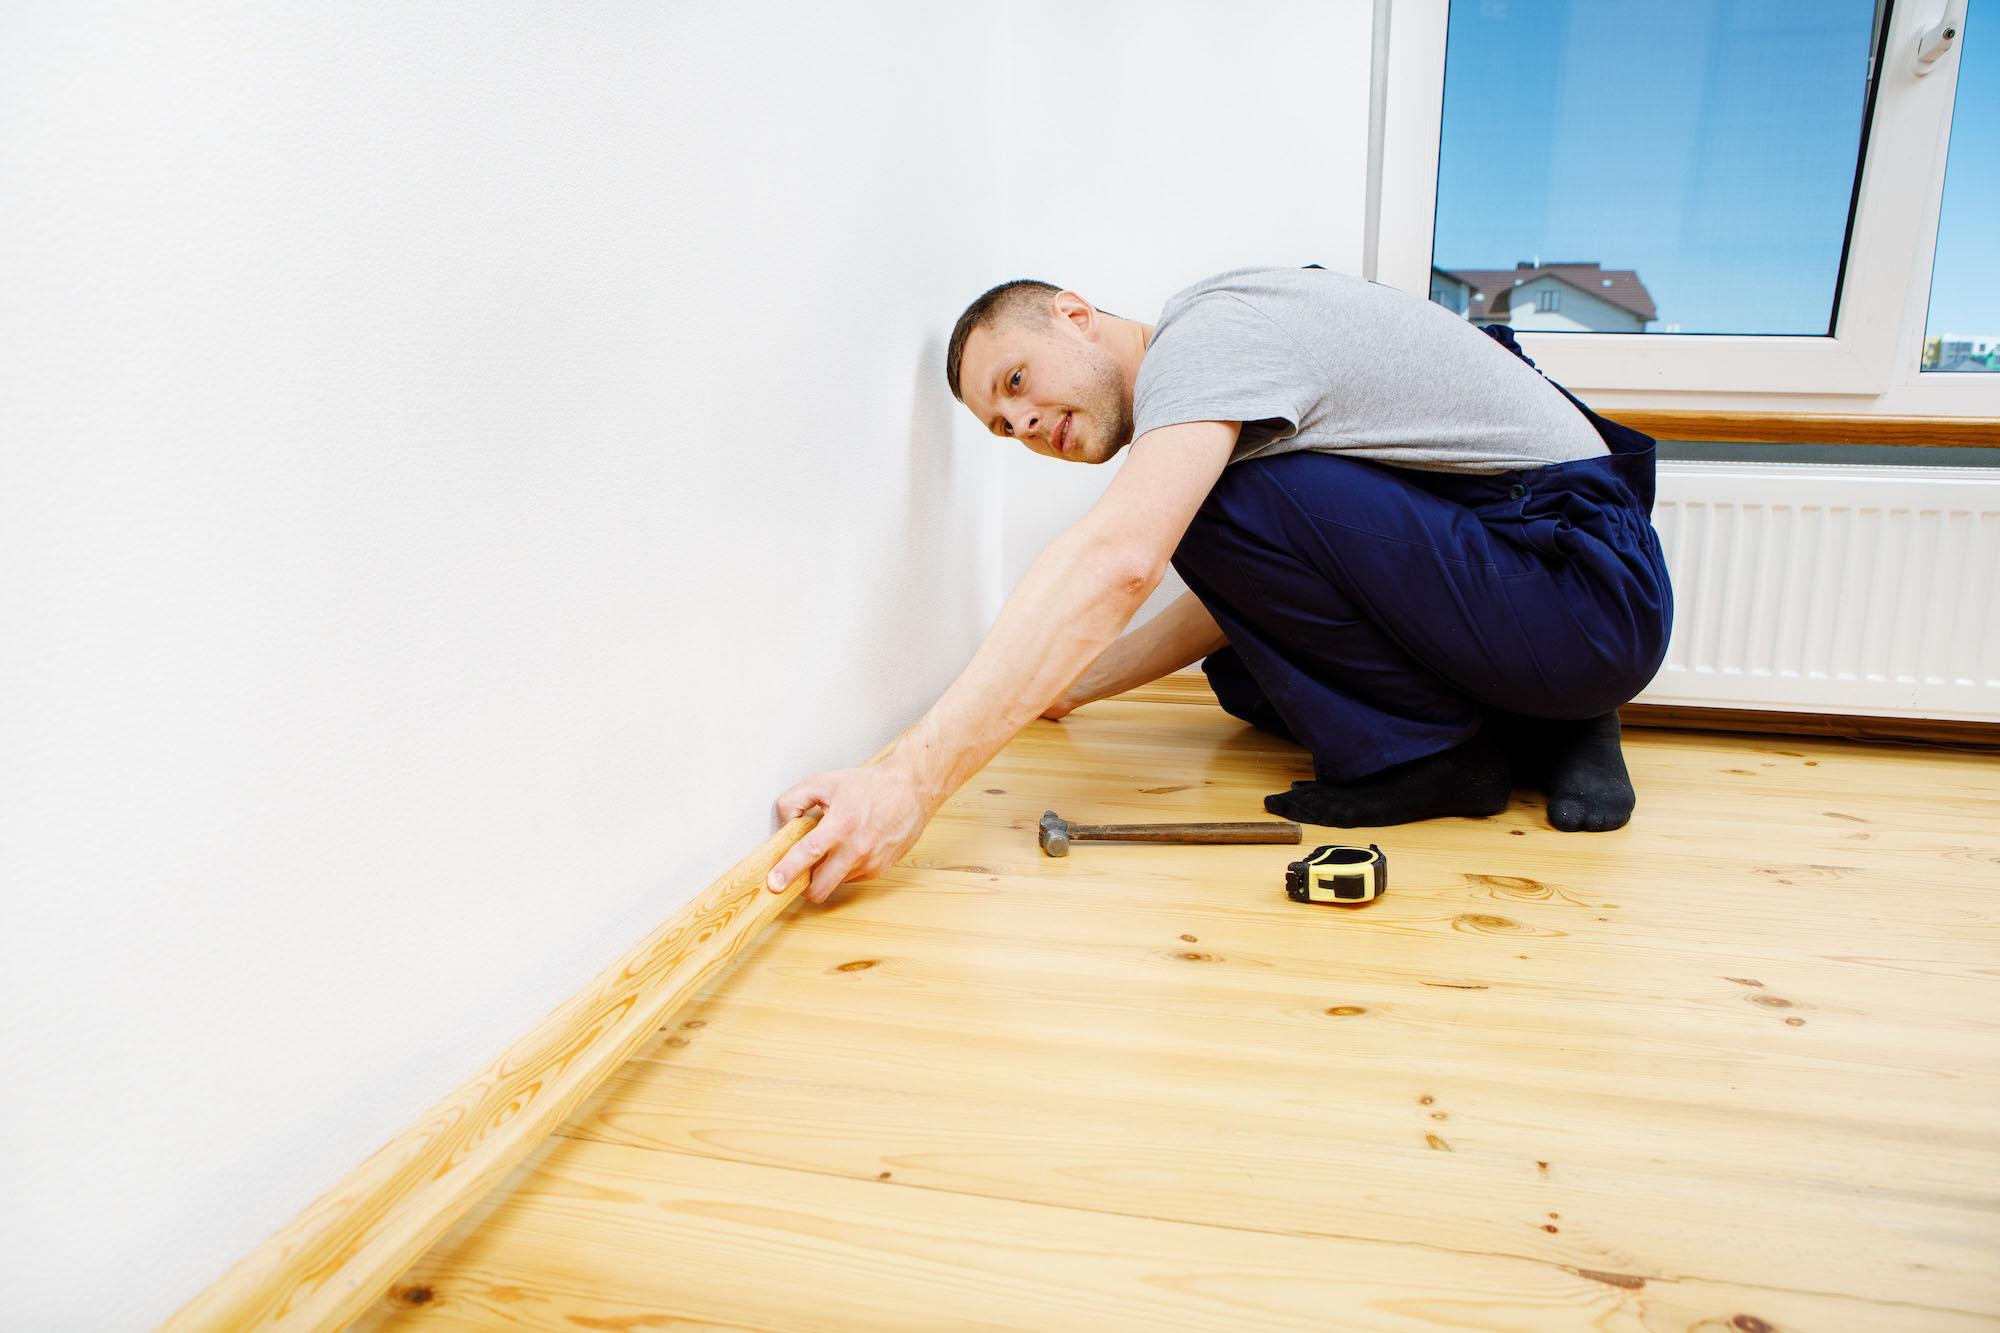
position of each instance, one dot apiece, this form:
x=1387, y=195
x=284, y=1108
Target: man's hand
x=872, y=816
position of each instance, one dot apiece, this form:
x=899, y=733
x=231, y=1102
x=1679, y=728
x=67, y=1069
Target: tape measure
x=1336, y=874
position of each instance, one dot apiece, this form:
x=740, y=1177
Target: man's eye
x=1015, y=382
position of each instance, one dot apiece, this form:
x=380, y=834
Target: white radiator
x=1832, y=588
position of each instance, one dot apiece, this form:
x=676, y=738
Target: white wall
x=1149, y=145
x=458, y=462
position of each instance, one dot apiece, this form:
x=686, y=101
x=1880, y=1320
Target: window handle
x=1940, y=37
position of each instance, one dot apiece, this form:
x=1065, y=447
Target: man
x=1406, y=550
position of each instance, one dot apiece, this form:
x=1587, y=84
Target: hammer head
x=1054, y=834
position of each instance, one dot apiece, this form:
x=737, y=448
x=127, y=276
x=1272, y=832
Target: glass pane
x=1963, y=332
x=1629, y=166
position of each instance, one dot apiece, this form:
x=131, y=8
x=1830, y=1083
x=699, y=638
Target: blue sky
x=1709, y=145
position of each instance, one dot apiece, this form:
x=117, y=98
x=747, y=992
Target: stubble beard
x=1109, y=404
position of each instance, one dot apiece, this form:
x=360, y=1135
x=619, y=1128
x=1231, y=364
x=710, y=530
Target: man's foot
x=1470, y=779
x=1589, y=789
x=1579, y=765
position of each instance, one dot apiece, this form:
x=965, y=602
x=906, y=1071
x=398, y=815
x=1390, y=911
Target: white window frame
x=1871, y=365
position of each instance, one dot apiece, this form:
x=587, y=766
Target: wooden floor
x=1735, y=1067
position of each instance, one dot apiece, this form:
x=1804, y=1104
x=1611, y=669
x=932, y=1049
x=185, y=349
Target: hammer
x=1057, y=833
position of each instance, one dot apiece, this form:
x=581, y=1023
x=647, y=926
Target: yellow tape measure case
x=1336, y=874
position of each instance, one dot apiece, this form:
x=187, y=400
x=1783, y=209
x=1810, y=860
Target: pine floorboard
x=1733, y=1067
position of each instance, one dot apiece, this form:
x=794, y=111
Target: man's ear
x=1077, y=312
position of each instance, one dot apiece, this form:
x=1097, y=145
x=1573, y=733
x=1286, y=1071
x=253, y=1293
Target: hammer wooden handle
x=1263, y=830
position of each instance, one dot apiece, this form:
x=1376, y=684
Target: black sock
x=1470, y=779
x=1526, y=743
x=1579, y=765
x=1589, y=789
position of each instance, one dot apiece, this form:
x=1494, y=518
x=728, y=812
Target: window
x=1750, y=184
x=1722, y=194
x=1962, y=330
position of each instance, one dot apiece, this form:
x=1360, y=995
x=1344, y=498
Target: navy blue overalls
x=1375, y=613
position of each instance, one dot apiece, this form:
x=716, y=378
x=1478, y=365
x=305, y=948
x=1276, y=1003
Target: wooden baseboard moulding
x=325, y=1268
x=1836, y=726
x=1809, y=428
x=1192, y=687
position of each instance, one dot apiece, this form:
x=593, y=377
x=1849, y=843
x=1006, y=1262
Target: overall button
x=1516, y=491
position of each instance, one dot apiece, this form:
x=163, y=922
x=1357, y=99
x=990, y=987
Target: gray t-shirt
x=1311, y=359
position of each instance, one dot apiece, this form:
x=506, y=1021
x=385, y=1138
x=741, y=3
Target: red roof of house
x=1493, y=289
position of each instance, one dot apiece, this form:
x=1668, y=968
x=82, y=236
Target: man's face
x=1049, y=383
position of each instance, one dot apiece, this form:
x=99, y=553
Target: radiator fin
x=1833, y=588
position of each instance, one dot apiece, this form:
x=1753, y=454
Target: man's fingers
x=801, y=799
x=804, y=853
x=810, y=794
x=828, y=874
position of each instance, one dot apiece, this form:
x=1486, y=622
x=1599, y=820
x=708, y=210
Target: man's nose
x=1025, y=422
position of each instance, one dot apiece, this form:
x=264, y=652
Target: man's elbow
x=1133, y=576
x=1120, y=568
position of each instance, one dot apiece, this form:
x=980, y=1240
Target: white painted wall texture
x=457, y=464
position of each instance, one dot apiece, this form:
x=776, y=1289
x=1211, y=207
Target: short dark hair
x=1010, y=301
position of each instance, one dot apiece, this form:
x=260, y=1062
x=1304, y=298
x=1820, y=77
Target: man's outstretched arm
x=1070, y=605
x=1179, y=636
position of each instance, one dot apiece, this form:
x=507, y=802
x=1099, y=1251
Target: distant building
x=1566, y=298
x=1962, y=351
